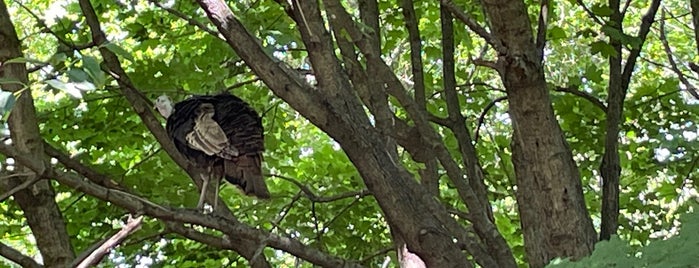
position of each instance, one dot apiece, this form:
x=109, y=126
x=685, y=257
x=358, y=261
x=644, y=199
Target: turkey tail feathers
x=245, y=171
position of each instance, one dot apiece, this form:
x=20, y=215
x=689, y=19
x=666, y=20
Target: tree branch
x=321, y=199
x=689, y=87
x=137, y=205
x=38, y=203
x=188, y=19
x=474, y=26
x=24, y=185
x=481, y=118
x=475, y=181
x=96, y=256
x=594, y=100
x=646, y=23
x=590, y=13
x=17, y=257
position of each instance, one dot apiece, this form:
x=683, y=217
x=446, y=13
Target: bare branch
x=137, y=205
x=590, y=13
x=17, y=257
x=411, y=22
x=321, y=199
x=594, y=100
x=240, y=84
x=376, y=254
x=481, y=118
x=646, y=23
x=46, y=29
x=188, y=19
x=81, y=169
x=689, y=87
x=97, y=255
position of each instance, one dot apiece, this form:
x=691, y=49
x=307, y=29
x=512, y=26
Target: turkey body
x=224, y=135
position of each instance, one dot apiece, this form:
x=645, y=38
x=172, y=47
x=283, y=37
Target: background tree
x=388, y=136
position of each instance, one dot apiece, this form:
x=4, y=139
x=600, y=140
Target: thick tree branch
x=619, y=79
x=483, y=222
x=137, y=205
x=17, y=257
x=428, y=176
x=341, y=115
x=411, y=22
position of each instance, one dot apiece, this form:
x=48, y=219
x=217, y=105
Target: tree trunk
x=555, y=221
x=37, y=201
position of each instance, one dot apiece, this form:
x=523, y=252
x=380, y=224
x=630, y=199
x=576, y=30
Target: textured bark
x=37, y=201
x=610, y=168
x=619, y=79
x=555, y=221
x=495, y=244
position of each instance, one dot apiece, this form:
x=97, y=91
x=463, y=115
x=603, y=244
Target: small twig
x=376, y=254
x=594, y=100
x=20, y=187
x=130, y=227
x=474, y=26
x=321, y=199
x=486, y=63
x=275, y=224
x=481, y=118
x=189, y=20
x=590, y=13
x=46, y=29
x=240, y=84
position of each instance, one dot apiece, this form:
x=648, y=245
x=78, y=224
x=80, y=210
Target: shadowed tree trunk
x=38, y=200
x=555, y=220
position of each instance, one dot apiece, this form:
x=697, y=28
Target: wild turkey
x=222, y=134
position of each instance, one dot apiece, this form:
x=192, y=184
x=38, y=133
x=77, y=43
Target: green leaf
x=119, y=51
x=23, y=60
x=601, y=10
x=593, y=74
x=556, y=33
x=7, y=101
x=603, y=48
x=69, y=88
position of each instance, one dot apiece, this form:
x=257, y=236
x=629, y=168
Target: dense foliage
x=319, y=198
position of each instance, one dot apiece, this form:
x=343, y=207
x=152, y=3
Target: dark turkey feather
x=221, y=132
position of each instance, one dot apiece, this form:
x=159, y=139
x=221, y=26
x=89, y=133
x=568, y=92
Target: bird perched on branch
x=222, y=134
